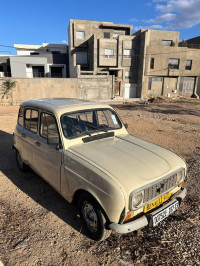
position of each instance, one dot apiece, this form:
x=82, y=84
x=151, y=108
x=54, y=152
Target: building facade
x=46, y=60
x=165, y=68
x=104, y=48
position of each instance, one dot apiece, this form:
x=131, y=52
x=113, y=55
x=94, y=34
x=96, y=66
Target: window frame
x=171, y=66
x=32, y=109
x=190, y=66
x=47, y=113
x=90, y=110
x=104, y=34
x=128, y=56
x=78, y=31
x=152, y=61
x=108, y=55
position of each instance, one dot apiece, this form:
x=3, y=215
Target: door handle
x=37, y=143
x=23, y=135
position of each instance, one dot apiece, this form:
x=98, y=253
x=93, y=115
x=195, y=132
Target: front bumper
x=143, y=221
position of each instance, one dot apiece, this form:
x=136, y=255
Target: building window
x=34, y=53
x=80, y=35
x=128, y=53
x=106, y=35
x=128, y=74
x=81, y=58
x=156, y=79
x=152, y=63
x=167, y=43
x=173, y=63
x=115, y=36
x=188, y=65
x=109, y=53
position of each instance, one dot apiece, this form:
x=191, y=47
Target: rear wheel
x=93, y=218
x=21, y=165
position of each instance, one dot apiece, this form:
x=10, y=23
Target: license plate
x=157, y=202
x=158, y=217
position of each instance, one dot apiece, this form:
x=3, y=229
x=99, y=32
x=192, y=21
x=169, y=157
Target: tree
x=7, y=86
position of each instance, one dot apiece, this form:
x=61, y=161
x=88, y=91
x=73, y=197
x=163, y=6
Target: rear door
x=29, y=134
x=48, y=157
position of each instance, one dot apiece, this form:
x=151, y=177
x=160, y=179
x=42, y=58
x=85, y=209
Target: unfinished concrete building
x=104, y=48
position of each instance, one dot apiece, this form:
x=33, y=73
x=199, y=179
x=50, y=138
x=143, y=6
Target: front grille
x=159, y=188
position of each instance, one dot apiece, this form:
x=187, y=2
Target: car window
x=20, y=116
x=86, y=122
x=48, y=126
x=31, y=120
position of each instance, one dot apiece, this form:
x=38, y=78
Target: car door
x=28, y=135
x=48, y=157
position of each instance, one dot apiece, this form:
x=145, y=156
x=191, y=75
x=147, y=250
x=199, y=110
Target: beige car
x=83, y=150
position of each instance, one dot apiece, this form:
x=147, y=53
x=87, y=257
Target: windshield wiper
x=98, y=129
x=79, y=130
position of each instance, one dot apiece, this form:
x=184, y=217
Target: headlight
x=137, y=199
x=180, y=176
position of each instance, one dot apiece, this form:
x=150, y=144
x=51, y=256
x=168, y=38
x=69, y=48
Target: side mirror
x=54, y=141
x=126, y=126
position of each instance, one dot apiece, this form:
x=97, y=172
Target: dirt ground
x=38, y=227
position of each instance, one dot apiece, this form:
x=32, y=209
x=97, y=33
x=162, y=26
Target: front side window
x=80, y=35
x=173, y=63
x=83, y=123
x=31, y=120
x=48, y=126
x=188, y=65
x=109, y=53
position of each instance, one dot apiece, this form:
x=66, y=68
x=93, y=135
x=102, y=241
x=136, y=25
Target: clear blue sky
x=35, y=22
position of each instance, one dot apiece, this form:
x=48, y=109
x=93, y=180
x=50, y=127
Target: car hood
x=132, y=161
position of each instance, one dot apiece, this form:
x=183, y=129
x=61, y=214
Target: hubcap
x=90, y=216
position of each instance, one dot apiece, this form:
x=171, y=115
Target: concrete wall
x=95, y=87
x=90, y=88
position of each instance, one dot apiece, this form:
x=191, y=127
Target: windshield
x=86, y=122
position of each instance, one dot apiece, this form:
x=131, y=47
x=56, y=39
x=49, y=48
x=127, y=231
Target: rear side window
x=48, y=126
x=31, y=120
x=20, y=116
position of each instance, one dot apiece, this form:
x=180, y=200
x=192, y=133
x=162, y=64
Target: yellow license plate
x=157, y=202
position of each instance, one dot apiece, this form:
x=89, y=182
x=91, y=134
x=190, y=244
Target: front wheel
x=93, y=218
x=21, y=165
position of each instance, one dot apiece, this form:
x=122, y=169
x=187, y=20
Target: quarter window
x=48, y=126
x=31, y=120
x=20, y=116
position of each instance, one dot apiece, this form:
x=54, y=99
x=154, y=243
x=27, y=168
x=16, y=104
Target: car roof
x=57, y=105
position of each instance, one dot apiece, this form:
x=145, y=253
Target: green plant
x=7, y=86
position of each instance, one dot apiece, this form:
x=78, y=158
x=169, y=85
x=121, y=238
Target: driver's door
x=47, y=158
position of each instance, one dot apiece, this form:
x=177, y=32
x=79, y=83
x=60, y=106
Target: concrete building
x=145, y=64
x=165, y=69
x=104, y=48
x=46, y=60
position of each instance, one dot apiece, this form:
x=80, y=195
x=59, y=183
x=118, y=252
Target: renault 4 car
x=83, y=150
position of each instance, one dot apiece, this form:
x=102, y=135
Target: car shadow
x=35, y=187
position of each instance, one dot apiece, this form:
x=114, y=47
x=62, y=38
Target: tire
x=21, y=165
x=93, y=218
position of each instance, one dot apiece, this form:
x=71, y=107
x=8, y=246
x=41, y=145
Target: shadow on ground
x=34, y=186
